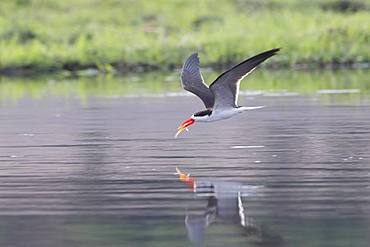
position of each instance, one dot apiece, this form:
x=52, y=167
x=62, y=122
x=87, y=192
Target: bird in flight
x=221, y=97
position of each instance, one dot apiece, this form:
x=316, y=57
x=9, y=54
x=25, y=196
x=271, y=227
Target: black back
x=203, y=113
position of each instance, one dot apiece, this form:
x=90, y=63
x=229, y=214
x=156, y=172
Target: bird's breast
x=223, y=114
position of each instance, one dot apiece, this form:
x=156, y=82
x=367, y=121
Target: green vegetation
x=307, y=83
x=51, y=35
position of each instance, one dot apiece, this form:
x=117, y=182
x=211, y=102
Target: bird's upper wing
x=226, y=87
x=192, y=81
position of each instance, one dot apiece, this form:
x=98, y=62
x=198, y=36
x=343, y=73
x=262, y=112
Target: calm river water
x=83, y=168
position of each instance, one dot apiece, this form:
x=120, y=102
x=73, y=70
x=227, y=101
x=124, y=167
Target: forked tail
x=248, y=108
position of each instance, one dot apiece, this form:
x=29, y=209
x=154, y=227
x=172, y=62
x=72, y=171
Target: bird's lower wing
x=192, y=81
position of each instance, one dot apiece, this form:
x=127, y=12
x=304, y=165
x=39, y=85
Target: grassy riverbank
x=349, y=83
x=41, y=36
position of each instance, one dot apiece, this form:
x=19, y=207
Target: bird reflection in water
x=224, y=206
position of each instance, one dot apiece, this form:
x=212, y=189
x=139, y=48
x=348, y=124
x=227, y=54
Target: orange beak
x=184, y=126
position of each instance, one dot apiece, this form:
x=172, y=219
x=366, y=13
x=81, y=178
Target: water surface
x=94, y=165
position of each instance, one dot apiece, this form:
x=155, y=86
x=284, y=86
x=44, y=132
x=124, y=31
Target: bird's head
x=201, y=116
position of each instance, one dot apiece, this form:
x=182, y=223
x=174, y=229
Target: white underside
x=221, y=114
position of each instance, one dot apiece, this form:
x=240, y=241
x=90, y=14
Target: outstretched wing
x=226, y=87
x=192, y=81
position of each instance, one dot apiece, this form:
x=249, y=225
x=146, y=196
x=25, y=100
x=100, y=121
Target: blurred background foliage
x=50, y=35
x=351, y=84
